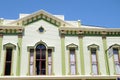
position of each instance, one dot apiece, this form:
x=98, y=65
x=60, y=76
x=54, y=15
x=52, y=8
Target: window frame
x=5, y=47
x=94, y=46
x=34, y=53
x=116, y=46
x=75, y=47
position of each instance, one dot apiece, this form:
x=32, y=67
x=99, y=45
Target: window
x=31, y=61
x=94, y=61
x=40, y=60
x=8, y=61
x=72, y=62
x=72, y=58
x=116, y=60
x=49, y=61
x=41, y=29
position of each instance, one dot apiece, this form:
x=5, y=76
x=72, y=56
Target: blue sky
x=104, y=13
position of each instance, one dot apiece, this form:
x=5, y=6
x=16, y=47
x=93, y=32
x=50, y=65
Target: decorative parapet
x=11, y=30
x=89, y=31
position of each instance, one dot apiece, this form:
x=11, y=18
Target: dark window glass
x=8, y=61
x=40, y=59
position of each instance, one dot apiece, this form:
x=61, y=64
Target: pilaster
x=19, y=46
x=63, y=54
x=81, y=54
x=105, y=54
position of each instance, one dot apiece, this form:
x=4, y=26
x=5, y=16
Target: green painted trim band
x=105, y=55
x=63, y=55
x=81, y=55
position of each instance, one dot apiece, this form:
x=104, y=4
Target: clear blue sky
x=104, y=13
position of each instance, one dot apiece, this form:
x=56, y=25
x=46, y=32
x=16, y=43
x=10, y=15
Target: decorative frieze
x=89, y=32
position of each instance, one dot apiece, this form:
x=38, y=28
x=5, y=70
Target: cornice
x=11, y=30
x=90, y=31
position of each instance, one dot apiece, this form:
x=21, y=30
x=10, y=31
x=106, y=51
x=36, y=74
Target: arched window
x=40, y=60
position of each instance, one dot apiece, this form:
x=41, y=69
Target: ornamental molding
x=41, y=15
x=11, y=30
x=89, y=31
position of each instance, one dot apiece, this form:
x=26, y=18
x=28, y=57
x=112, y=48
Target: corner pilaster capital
x=103, y=37
x=20, y=35
x=62, y=36
x=1, y=35
x=80, y=36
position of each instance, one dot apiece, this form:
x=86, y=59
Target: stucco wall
x=50, y=37
x=13, y=40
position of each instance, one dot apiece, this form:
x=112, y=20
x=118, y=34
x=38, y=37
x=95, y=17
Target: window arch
x=40, y=59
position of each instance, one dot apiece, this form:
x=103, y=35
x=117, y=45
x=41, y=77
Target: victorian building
x=42, y=46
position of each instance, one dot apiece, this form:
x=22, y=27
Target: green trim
x=81, y=55
x=41, y=17
x=19, y=55
x=1, y=39
x=105, y=55
x=63, y=54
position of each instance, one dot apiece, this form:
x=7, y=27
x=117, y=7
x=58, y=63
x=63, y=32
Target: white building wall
x=101, y=60
x=112, y=41
x=9, y=39
x=50, y=37
x=70, y=40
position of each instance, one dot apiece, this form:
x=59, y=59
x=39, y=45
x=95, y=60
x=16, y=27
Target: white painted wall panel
x=50, y=37
x=9, y=39
x=70, y=40
x=112, y=41
x=98, y=41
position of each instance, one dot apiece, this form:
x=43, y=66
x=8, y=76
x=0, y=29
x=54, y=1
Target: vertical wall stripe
x=1, y=38
x=63, y=54
x=19, y=45
x=105, y=55
x=81, y=55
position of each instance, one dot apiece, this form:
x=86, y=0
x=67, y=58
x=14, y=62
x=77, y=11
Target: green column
x=63, y=54
x=81, y=54
x=1, y=38
x=19, y=45
x=105, y=55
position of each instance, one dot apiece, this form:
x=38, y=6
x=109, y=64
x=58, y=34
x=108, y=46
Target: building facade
x=45, y=46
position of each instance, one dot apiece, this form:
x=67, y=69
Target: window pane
x=94, y=58
x=72, y=61
x=94, y=68
x=72, y=55
x=49, y=69
x=43, y=54
x=49, y=55
x=8, y=55
x=7, y=68
x=117, y=68
x=115, y=51
x=73, y=70
x=31, y=69
x=38, y=54
x=31, y=62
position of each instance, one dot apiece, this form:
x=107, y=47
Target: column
x=105, y=54
x=19, y=46
x=81, y=54
x=63, y=54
